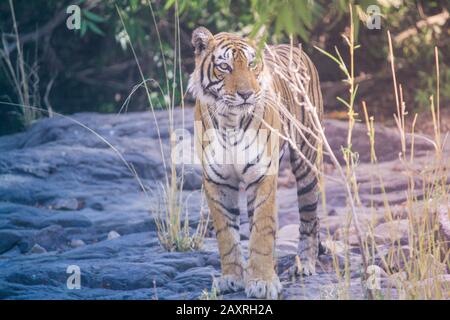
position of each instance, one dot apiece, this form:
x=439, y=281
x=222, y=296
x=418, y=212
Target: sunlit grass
x=417, y=274
x=22, y=76
x=170, y=212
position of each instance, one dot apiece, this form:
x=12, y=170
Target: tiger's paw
x=228, y=283
x=305, y=268
x=263, y=289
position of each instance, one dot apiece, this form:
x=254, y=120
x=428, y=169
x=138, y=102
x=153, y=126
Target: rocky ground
x=67, y=198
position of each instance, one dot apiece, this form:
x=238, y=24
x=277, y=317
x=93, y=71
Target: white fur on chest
x=245, y=155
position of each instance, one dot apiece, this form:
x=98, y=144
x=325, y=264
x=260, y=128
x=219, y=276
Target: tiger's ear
x=202, y=38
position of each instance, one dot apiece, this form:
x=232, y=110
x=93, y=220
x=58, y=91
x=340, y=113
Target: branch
x=439, y=19
x=45, y=30
x=93, y=76
x=48, y=28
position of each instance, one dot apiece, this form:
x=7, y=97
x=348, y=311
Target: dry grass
x=415, y=269
x=213, y=294
x=22, y=76
x=174, y=232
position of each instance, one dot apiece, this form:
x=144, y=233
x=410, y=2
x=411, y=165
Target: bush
x=93, y=70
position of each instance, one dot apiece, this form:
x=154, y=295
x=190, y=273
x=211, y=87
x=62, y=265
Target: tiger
x=238, y=94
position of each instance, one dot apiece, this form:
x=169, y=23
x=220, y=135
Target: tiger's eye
x=252, y=65
x=224, y=66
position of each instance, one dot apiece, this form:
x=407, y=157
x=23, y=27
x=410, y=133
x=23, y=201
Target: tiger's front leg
x=261, y=278
x=223, y=205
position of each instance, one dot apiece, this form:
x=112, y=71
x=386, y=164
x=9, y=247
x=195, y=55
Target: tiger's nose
x=245, y=94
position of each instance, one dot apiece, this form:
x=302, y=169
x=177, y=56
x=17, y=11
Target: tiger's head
x=227, y=72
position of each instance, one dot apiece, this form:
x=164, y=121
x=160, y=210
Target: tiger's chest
x=241, y=152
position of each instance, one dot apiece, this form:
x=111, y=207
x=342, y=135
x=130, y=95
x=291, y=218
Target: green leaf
x=83, y=28
x=304, y=11
x=134, y=4
x=343, y=101
x=94, y=28
x=169, y=4
x=329, y=55
x=355, y=91
x=93, y=17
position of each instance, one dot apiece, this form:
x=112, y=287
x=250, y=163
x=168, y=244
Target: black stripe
x=303, y=175
x=260, y=178
x=309, y=208
x=208, y=178
x=307, y=188
x=202, y=76
x=229, y=225
x=247, y=166
x=307, y=221
x=212, y=83
x=259, y=252
x=215, y=171
x=230, y=251
x=264, y=200
x=233, y=211
x=254, y=138
x=255, y=182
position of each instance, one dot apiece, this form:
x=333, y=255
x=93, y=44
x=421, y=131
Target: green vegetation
x=91, y=69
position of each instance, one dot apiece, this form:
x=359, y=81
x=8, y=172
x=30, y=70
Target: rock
x=286, y=247
x=396, y=258
x=192, y=178
x=403, y=210
x=68, y=219
x=97, y=206
x=433, y=266
x=8, y=239
x=332, y=213
x=395, y=280
x=392, y=231
x=341, y=235
x=400, y=259
x=76, y=243
x=339, y=224
x=65, y=204
x=286, y=179
x=329, y=263
x=444, y=223
x=375, y=274
x=336, y=135
x=57, y=163
x=331, y=223
x=113, y=235
x=51, y=238
x=287, y=240
x=289, y=233
x=374, y=270
x=334, y=247
x=37, y=249
x=436, y=287
x=25, y=245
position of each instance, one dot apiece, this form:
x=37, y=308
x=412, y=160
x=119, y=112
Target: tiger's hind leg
x=223, y=205
x=307, y=193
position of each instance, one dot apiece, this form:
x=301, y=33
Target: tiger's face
x=227, y=71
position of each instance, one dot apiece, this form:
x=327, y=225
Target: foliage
x=93, y=70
